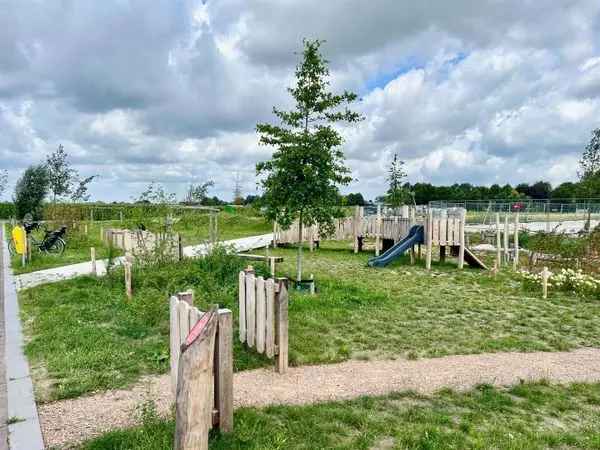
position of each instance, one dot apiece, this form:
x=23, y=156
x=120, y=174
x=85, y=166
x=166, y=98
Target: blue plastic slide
x=416, y=235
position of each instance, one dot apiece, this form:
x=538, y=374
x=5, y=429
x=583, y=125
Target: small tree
x=589, y=170
x=301, y=180
x=63, y=179
x=31, y=190
x=197, y=193
x=80, y=193
x=396, y=194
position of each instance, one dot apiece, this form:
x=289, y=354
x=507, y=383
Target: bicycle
x=52, y=243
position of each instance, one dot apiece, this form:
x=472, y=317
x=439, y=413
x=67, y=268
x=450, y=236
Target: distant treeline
x=423, y=193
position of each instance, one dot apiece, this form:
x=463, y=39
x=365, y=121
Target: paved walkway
x=3, y=400
x=24, y=431
x=32, y=279
x=82, y=418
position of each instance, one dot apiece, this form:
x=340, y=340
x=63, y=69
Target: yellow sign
x=20, y=239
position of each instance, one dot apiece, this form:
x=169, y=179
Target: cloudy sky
x=487, y=91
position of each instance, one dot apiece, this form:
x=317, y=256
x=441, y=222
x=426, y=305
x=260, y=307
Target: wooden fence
x=263, y=320
x=351, y=228
x=144, y=243
x=183, y=317
x=445, y=231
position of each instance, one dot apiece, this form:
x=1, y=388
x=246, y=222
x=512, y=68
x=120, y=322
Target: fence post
x=545, y=276
x=461, y=249
x=224, y=370
x=355, y=227
x=506, y=235
x=93, y=258
x=428, y=236
x=498, y=242
x=194, y=399
x=128, y=281
x=281, y=325
x=378, y=231
x=516, y=238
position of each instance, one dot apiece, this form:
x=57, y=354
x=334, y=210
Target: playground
x=424, y=299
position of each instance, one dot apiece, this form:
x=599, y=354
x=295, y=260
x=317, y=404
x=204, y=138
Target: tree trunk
x=299, y=257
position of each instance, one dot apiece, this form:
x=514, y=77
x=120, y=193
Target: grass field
x=528, y=416
x=84, y=336
x=193, y=230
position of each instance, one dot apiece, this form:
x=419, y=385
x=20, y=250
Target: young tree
x=589, y=166
x=60, y=173
x=301, y=180
x=31, y=190
x=157, y=194
x=396, y=194
x=80, y=193
x=63, y=179
x=197, y=193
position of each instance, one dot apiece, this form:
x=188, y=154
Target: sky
x=492, y=91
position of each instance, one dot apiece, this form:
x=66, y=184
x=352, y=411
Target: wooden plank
x=435, y=236
x=498, y=242
x=261, y=313
x=174, y=341
x=428, y=230
x=93, y=257
x=281, y=304
x=443, y=232
x=461, y=248
x=224, y=371
x=270, y=318
x=194, y=399
x=260, y=257
x=242, y=306
x=183, y=320
x=250, y=309
x=450, y=232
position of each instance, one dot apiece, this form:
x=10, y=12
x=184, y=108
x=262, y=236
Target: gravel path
x=84, y=417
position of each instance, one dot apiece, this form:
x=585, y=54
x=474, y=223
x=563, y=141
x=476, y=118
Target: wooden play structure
x=263, y=320
x=357, y=227
x=396, y=234
x=140, y=243
x=201, y=350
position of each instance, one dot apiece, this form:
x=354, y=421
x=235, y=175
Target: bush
x=7, y=210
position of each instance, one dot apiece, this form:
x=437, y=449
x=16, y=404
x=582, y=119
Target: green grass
x=83, y=335
x=192, y=227
x=528, y=416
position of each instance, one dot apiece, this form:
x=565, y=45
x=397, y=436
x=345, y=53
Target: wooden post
x=85, y=228
x=274, y=234
x=506, y=234
x=545, y=275
x=128, y=284
x=378, y=231
x=498, y=242
x=355, y=227
x=224, y=370
x=93, y=257
x=428, y=237
x=27, y=244
x=102, y=234
x=281, y=325
x=495, y=269
x=272, y=266
x=461, y=249
x=442, y=253
x=194, y=399
x=516, y=238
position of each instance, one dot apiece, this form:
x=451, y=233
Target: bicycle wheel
x=11, y=248
x=57, y=248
